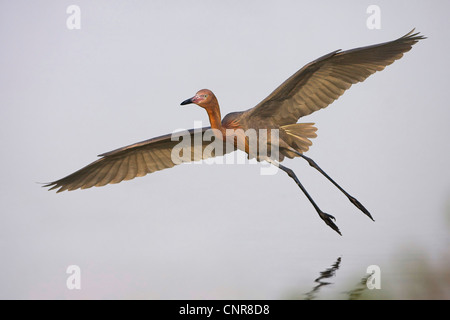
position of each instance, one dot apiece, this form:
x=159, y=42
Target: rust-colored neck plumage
x=213, y=110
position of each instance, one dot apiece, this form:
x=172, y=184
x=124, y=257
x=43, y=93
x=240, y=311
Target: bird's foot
x=328, y=218
x=360, y=206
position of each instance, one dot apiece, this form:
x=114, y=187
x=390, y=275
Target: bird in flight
x=313, y=87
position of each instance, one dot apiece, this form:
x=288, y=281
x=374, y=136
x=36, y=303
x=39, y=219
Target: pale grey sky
x=212, y=231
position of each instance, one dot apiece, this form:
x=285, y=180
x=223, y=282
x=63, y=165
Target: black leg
x=324, y=216
x=352, y=199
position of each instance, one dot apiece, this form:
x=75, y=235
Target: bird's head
x=202, y=98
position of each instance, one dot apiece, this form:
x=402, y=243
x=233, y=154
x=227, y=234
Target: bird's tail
x=298, y=136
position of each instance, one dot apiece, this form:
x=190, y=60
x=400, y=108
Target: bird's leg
x=352, y=199
x=324, y=216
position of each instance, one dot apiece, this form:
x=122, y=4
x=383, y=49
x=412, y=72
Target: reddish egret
x=313, y=87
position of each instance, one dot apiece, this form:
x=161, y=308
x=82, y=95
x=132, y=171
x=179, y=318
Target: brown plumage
x=312, y=88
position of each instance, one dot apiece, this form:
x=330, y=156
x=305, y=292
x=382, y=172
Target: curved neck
x=213, y=111
x=215, y=119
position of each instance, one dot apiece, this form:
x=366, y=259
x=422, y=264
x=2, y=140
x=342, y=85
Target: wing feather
x=126, y=163
x=141, y=165
x=132, y=167
x=122, y=170
x=110, y=174
x=324, y=80
x=95, y=176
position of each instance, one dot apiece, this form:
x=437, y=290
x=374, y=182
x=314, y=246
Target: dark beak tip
x=185, y=102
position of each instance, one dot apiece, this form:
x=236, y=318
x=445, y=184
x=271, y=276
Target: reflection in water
x=327, y=273
x=353, y=294
x=359, y=289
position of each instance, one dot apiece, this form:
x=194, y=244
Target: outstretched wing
x=324, y=80
x=137, y=160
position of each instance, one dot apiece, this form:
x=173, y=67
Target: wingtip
x=52, y=186
x=413, y=29
x=414, y=36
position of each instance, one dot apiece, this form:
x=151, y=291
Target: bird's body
x=312, y=88
x=234, y=126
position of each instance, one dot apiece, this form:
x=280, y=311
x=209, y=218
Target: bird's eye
x=205, y=96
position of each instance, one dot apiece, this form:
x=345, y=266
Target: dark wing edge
x=135, y=160
x=322, y=81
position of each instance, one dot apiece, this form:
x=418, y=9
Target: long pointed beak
x=187, y=101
